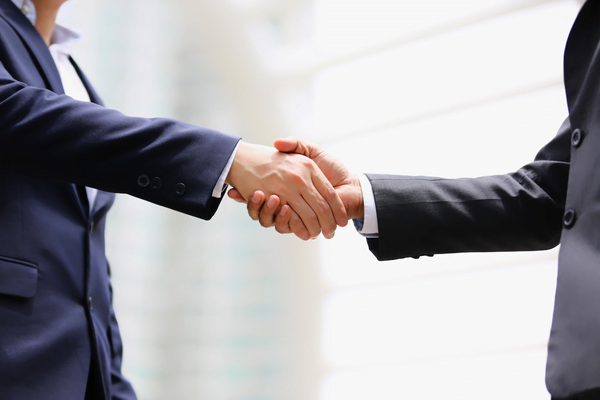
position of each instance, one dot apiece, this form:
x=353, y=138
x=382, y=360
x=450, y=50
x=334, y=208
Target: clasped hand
x=308, y=190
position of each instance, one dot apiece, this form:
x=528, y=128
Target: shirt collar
x=27, y=8
x=64, y=38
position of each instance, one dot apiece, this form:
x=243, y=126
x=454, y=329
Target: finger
x=295, y=145
x=322, y=184
x=287, y=145
x=333, y=200
x=255, y=204
x=283, y=219
x=235, y=195
x=306, y=212
x=268, y=211
x=315, y=195
x=297, y=227
x=308, y=203
x=322, y=210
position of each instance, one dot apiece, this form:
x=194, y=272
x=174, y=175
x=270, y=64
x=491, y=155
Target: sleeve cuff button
x=156, y=183
x=143, y=180
x=180, y=189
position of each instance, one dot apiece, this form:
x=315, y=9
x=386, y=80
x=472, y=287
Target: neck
x=45, y=20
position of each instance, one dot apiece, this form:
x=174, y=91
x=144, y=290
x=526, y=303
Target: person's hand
x=297, y=181
x=270, y=214
x=346, y=184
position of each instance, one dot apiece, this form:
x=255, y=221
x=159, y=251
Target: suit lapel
x=104, y=199
x=94, y=98
x=47, y=69
x=34, y=42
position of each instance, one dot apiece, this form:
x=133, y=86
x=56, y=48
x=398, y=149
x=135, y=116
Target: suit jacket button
x=180, y=189
x=90, y=303
x=143, y=180
x=569, y=218
x=577, y=138
x=156, y=183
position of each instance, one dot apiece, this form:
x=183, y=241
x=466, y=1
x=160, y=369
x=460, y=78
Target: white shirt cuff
x=368, y=226
x=218, y=190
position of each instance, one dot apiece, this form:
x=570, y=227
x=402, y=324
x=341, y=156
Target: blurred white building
x=226, y=310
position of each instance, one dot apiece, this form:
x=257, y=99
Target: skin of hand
x=297, y=181
x=285, y=220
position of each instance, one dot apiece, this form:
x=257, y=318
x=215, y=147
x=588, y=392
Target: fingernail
x=313, y=238
x=256, y=198
x=271, y=203
x=344, y=222
x=330, y=236
x=284, y=212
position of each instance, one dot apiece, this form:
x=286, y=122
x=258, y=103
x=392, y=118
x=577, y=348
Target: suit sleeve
x=55, y=137
x=519, y=211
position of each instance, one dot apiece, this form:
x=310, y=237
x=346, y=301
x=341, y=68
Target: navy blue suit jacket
x=56, y=316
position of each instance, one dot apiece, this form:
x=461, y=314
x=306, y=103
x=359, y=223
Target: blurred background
x=227, y=310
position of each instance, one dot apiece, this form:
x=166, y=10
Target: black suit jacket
x=56, y=315
x=555, y=199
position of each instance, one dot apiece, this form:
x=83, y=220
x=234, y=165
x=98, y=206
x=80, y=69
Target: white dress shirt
x=61, y=45
x=368, y=226
x=60, y=48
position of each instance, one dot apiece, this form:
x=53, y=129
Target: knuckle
x=324, y=207
x=331, y=193
x=297, y=179
x=281, y=221
x=302, y=234
x=295, y=225
x=312, y=219
x=281, y=229
x=307, y=162
x=265, y=223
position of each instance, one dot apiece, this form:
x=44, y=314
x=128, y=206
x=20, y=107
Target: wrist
x=237, y=166
x=356, y=208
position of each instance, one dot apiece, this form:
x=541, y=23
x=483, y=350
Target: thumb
x=235, y=195
x=287, y=145
x=294, y=145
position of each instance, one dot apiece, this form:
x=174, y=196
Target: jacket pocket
x=18, y=278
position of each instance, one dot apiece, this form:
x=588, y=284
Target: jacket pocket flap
x=18, y=278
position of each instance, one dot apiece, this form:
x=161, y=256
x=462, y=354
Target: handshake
x=308, y=190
